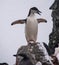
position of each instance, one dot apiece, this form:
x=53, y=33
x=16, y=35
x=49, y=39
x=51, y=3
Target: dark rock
x=54, y=35
x=55, y=5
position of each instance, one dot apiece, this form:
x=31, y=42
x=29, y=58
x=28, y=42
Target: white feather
x=31, y=29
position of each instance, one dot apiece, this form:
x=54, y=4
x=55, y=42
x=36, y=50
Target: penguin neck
x=31, y=14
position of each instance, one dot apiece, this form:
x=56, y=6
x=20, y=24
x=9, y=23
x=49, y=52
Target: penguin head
x=34, y=10
x=21, y=54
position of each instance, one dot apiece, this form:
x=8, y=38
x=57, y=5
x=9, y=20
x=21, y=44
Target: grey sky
x=12, y=37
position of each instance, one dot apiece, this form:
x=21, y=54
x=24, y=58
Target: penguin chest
x=31, y=29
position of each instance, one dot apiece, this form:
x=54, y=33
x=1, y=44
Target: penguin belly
x=31, y=30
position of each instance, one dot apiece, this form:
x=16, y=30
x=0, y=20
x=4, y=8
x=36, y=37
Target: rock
x=54, y=35
x=35, y=52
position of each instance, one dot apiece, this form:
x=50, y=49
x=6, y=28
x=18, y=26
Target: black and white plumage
x=31, y=25
x=25, y=60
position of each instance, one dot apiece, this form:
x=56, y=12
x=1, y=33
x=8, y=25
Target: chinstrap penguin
x=31, y=25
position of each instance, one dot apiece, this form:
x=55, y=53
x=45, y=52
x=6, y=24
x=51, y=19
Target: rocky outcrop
x=54, y=35
x=35, y=53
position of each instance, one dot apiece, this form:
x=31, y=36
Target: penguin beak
x=39, y=12
x=15, y=55
x=23, y=55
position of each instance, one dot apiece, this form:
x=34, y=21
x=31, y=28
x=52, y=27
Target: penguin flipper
x=19, y=22
x=41, y=20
